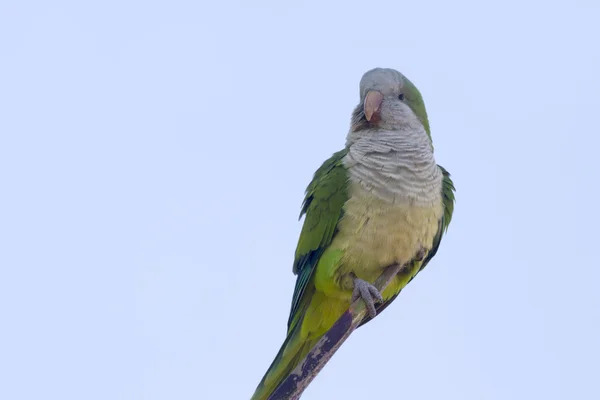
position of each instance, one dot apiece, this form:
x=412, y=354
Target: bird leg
x=369, y=293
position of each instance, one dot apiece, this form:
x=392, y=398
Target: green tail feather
x=292, y=351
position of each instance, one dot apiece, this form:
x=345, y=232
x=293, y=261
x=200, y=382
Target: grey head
x=388, y=100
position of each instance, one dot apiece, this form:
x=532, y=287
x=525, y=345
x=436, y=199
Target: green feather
x=413, y=98
x=448, y=190
x=323, y=204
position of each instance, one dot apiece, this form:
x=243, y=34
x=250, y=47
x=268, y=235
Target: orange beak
x=373, y=101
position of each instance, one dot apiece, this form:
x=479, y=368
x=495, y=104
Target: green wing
x=323, y=207
x=448, y=200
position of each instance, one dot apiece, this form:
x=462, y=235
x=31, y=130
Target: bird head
x=388, y=100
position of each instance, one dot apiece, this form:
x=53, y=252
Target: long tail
x=292, y=351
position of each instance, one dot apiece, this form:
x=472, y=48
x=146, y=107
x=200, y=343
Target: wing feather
x=323, y=208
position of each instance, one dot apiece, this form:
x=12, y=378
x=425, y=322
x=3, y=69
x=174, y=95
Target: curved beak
x=373, y=101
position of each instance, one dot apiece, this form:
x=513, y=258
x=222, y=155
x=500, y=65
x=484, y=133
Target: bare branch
x=299, y=379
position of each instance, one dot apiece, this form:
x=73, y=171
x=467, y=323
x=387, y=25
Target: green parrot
x=381, y=200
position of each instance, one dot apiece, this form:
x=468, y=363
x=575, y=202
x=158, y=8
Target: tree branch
x=299, y=379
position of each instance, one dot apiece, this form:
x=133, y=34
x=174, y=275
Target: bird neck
x=396, y=165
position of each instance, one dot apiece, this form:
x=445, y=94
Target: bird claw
x=369, y=293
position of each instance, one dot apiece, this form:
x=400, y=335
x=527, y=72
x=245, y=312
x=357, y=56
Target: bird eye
x=401, y=97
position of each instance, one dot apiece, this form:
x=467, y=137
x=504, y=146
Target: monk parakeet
x=381, y=200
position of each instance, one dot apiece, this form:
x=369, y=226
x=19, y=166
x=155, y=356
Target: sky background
x=153, y=159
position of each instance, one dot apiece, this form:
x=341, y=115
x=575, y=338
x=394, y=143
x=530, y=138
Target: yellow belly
x=374, y=234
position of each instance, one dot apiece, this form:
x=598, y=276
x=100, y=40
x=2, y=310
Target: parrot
x=382, y=200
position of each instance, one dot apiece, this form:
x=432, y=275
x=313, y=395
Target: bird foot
x=369, y=293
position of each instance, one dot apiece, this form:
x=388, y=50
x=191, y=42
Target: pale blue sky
x=153, y=158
